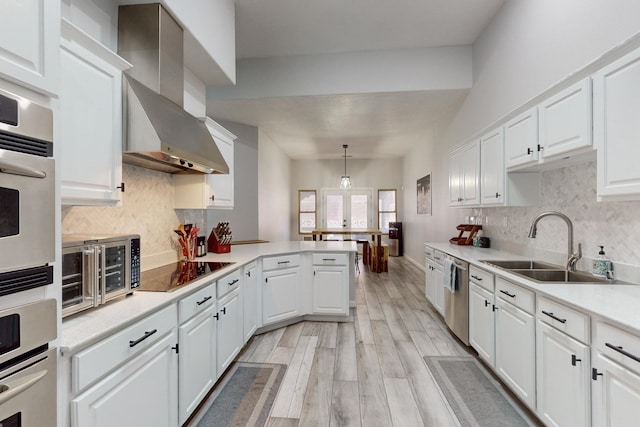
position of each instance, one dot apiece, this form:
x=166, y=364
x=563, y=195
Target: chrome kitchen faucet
x=572, y=258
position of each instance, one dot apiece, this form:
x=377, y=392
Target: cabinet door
x=429, y=281
x=221, y=185
x=30, y=32
x=280, y=295
x=563, y=382
x=439, y=289
x=615, y=394
x=565, y=121
x=197, y=361
x=482, y=322
x=616, y=101
x=515, y=351
x=471, y=174
x=455, y=178
x=251, y=298
x=492, y=168
x=229, y=330
x=143, y=392
x=521, y=139
x=90, y=120
x=330, y=290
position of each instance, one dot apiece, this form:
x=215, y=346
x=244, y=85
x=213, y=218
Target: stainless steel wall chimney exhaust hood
x=159, y=133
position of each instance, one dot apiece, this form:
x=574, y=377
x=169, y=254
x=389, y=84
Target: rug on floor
x=244, y=398
x=475, y=397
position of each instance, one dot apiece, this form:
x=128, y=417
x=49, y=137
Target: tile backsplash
x=147, y=209
x=572, y=191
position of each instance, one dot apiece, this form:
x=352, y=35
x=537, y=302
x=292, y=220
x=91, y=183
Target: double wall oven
x=27, y=244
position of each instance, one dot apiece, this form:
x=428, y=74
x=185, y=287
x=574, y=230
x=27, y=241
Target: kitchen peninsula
x=132, y=344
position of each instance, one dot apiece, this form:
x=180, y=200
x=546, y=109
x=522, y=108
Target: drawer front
x=330, y=259
x=514, y=294
x=438, y=257
x=91, y=364
x=276, y=262
x=197, y=302
x=481, y=277
x=228, y=283
x=429, y=251
x=565, y=319
x=618, y=345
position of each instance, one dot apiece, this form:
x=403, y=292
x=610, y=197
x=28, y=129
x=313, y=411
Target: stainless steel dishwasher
x=456, y=304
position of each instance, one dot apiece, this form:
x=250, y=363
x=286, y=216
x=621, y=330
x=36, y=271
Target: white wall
x=318, y=174
x=528, y=47
x=274, y=189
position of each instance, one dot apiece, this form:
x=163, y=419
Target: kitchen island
x=157, y=341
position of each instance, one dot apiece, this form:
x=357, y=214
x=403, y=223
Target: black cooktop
x=174, y=276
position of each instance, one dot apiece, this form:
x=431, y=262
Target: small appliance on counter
x=97, y=269
x=220, y=238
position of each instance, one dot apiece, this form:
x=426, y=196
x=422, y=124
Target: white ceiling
x=375, y=125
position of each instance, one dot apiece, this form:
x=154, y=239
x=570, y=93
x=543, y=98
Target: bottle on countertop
x=602, y=266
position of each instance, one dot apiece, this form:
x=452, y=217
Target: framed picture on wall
x=424, y=195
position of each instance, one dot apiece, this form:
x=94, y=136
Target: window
x=306, y=211
x=387, y=210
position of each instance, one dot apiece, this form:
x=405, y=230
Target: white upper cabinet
x=521, y=139
x=90, y=120
x=565, y=121
x=209, y=191
x=30, y=32
x=464, y=175
x=492, y=168
x=616, y=128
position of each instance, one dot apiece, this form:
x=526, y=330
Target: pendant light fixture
x=345, y=182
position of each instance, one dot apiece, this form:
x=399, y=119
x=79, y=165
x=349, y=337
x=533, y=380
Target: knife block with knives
x=219, y=240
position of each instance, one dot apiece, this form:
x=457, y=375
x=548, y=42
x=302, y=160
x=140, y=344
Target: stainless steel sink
x=560, y=276
x=522, y=265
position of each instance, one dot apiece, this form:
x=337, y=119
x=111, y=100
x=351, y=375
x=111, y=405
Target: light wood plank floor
x=369, y=372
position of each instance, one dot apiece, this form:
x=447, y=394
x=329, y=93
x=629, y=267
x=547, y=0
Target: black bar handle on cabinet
x=205, y=299
x=249, y=273
x=477, y=278
x=529, y=151
x=142, y=338
x=494, y=307
x=283, y=262
x=595, y=374
x=216, y=316
x=620, y=350
x=556, y=318
x=497, y=195
x=121, y=186
x=233, y=282
x=507, y=294
x=486, y=303
x=574, y=359
x=224, y=310
x=328, y=259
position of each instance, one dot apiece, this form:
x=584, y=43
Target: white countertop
x=617, y=303
x=89, y=327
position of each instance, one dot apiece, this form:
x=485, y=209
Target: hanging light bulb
x=345, y=182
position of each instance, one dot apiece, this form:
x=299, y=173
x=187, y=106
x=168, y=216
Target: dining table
x=376, y=238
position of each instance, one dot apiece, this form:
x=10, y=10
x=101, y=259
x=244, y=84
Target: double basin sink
x=543, y=272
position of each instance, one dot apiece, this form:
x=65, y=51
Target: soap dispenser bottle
x=602, y=266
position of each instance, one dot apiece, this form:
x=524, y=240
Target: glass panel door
x=115, y=270
x=335, y=211
x=76, y=280
x=348, y=208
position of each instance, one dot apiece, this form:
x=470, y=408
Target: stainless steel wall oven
x=27, y=208
x=28, y=366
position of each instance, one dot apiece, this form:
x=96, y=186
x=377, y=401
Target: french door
x=347, y=209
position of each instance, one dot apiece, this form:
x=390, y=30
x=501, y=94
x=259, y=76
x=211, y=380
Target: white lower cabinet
x=251, y=296
x=142, y=392
x=280, y=295
x=433, y=284
x=615, y=377
x=482, y=322
x=230, y=332
x=197, y=349
x=563, y=388
x=515, y=350
x=330, y=285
